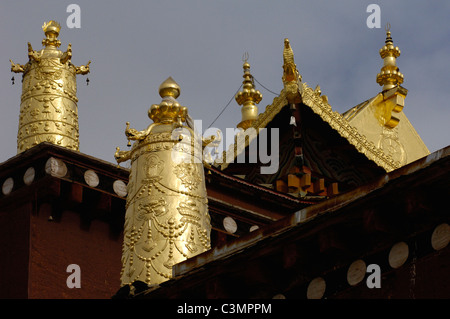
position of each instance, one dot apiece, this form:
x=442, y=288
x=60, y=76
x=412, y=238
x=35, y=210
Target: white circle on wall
x=91, y=178
x=440, y=237
x=55, y=167
x=7, y=186
x=29, y=175
x=316, y=288
x=398, y=255
x=356, y=272
x=229, y=224
x=120, y=188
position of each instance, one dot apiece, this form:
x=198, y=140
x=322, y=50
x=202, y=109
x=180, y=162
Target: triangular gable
x=386, y=125
x=294, y=92
x=346, y=130
x=336, y=121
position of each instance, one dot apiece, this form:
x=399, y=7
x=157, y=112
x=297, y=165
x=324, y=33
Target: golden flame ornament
x=167, y=219
x=48, y=108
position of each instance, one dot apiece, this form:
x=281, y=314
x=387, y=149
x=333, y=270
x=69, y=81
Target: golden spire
x=167, y=219
x=48, y=109
x=248, y=97
x=390, y=76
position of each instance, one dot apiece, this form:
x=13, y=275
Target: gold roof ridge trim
x=346, y=130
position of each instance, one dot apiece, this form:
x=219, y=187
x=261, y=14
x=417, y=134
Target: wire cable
x=223, y=110
x=265, y=87
x=225, y=107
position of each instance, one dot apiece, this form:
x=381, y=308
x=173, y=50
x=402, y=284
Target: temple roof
x=351, y=125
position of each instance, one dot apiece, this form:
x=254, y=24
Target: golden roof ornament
x=167, y=219
x=169, y=110
x=291, y=77
x=390, y=76
x=48, y=109
x=248, y=97
x=51, y=30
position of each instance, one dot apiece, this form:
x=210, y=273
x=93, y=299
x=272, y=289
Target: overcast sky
x=135, y=45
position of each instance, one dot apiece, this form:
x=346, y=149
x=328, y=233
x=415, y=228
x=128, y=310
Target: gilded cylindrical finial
x=248, y=97
x=390, y=76
x=48, y=109
x=167, y=219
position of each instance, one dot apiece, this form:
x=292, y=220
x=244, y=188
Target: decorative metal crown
x=51, y=26
x=169, y=110
x=51, y=30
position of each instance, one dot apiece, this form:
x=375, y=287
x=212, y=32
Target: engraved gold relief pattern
x=188, y=174
x=48, y=110
x=390, y=143
x=167, y=218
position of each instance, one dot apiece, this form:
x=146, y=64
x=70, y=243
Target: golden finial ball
x=169, y=88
